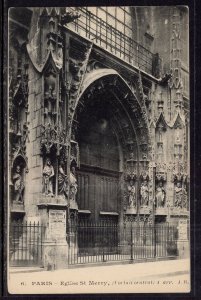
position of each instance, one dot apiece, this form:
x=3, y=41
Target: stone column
x=55, y=248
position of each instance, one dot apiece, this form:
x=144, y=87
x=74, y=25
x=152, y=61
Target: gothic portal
x=98, y=118
x=108, y=142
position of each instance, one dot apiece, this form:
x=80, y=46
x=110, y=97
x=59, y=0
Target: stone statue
x=48, y=174
x=178, y=195
x=73, y=185
x=144, y=194
x=18, y=184
x=131, y=197
x=160, y=195
x=62, y=181
x=185, y=197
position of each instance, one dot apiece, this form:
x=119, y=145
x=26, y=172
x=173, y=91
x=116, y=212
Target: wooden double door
x=99, y=193
x=99, y=175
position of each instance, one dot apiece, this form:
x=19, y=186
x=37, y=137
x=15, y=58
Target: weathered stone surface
x=146, y=116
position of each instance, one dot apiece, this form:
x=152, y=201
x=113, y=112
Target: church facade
x=98, y=116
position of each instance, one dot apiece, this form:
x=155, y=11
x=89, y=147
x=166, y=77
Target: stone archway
x=113, y=81
x=105, y=96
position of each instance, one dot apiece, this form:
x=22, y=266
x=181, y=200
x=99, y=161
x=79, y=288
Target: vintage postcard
x=98, y=142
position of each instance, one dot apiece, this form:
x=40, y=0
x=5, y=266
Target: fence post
x=154, y=240
x=132, y=242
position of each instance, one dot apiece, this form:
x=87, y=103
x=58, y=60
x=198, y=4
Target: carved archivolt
x=111, y=80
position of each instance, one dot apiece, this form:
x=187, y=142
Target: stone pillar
x=183, y=238
x=55, y=248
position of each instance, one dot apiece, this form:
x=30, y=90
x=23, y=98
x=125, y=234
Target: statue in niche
x=178, y=195
x=185, y=196
x=144, y=193
x=131, y=155
x=73, y=185
x=131, y=197
x=18, y=184
x=48, y=174
x=62, y=181
x=160, y=195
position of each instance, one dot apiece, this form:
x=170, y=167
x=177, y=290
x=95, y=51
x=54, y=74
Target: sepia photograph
x=98, y=139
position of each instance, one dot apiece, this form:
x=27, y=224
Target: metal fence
x=25, y=247
x=94, y=28
x=104, y=241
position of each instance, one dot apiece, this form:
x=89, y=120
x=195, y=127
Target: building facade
x=98, y=116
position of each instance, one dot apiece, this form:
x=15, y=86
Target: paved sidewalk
x=159, y=276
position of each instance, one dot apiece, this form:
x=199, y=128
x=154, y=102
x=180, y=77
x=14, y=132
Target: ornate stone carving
x=94, y=65
x=68, y=17
x=144, y=193
x=161, y=124
x=165, y=78
x=160, y=195
x=79, y=55
x=63, y=184
x=178, y=102
x=122, y=93
x=178, y=122
x=140, y=89
x=175, y=80
x=131, y=194
x=50, y=84
x=18, y=142
x=144, y=175
x=131, y=175
x=177, y=177
x=47, y=42
x=18, y=184
x=161, y=175
x=178, y=195
x=130, y=186
x=185, y=195
x=18, y=113
x=53, y=137
x=48, y=174
x=179, y=170
x=73, y=188
x=160, y=103
x=75, y=153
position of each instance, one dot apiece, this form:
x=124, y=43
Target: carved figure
x=48, y=174
x=18, y=184
x=131, y=197
x=185, y=196
x=178, y=195
x=160, y=195
x=144, y=194
x=73, y=185
x=62, y=181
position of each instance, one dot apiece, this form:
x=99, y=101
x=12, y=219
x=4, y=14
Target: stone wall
x=35, y=164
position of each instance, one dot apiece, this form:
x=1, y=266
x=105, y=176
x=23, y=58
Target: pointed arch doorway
x=104, y=125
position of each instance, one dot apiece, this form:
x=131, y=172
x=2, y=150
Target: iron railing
x=25, y=247
x=106, y=241
x=105, y=35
